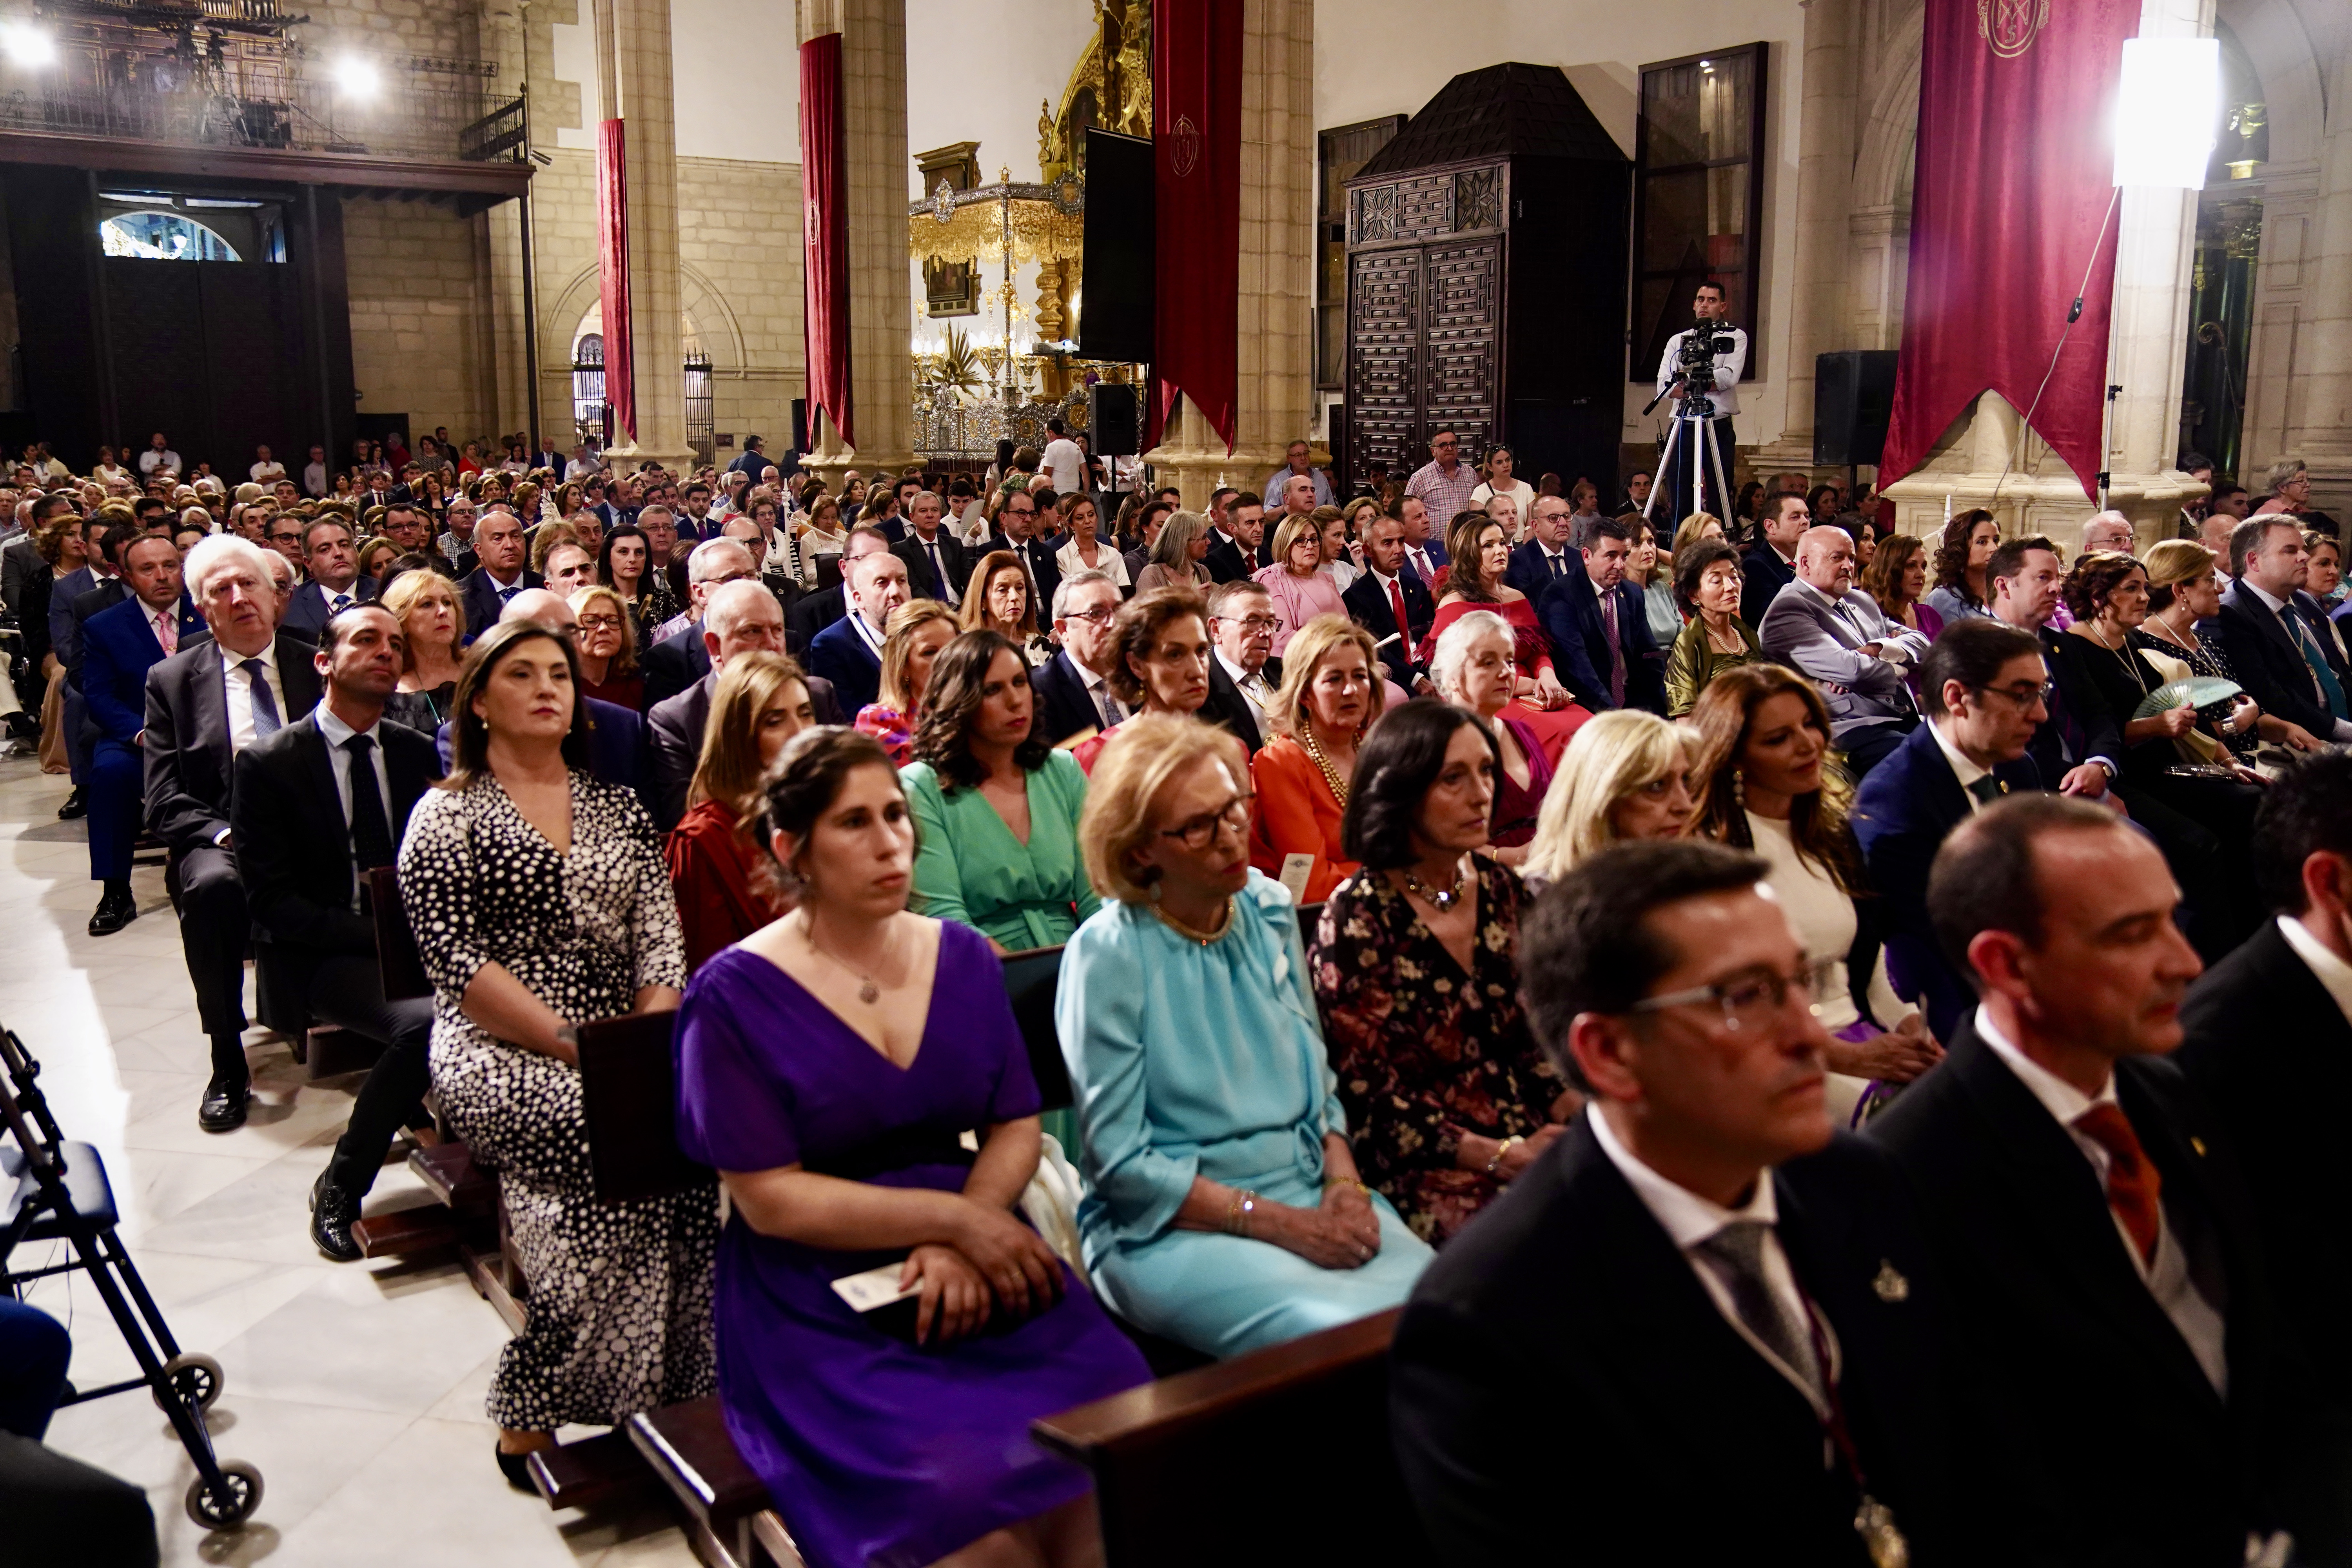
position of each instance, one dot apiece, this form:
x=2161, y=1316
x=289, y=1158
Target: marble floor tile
x=369, y=1337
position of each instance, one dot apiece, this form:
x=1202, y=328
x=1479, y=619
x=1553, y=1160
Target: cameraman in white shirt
x=1713, y=308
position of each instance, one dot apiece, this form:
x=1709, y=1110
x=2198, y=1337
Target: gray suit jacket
x=1805, y=629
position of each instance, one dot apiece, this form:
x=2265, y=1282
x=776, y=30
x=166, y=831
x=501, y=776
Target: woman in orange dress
x=1479, y=551
x=760, y=702
x=1329, y=699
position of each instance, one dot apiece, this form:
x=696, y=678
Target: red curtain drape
x=2014, y=174
x=613, y=278
x=1196, y=122
x=825, y=231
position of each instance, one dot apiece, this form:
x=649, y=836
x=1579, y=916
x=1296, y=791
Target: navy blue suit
x=308, y=613
x=841, y=655
x=1531, y=574
x=1061, y=703
x=65, y=641
x=118, y=649
x=1907, y=804
x=479, y=598
x=1763, y=575
x=1570, y=610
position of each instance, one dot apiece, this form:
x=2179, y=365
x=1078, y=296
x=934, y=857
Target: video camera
x=1695, y=366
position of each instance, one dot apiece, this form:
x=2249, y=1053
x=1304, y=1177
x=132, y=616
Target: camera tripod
x=1698, y=414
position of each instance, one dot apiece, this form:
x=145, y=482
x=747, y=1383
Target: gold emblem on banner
x=2009, y=27
x=1184, y=148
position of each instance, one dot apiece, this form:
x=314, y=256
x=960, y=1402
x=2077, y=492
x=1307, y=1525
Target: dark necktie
x=1616, y=649
x=266, y=718
x=371, y=827
x=2134, y=1191
x=1739, y=1249
x=1556, y=562
x=1987, y=789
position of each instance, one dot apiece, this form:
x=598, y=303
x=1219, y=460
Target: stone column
x=1820, y=311
x=2319, y=417
x=881, y=291
x=640, y=80
x=2146, y=350
x=1276, y=388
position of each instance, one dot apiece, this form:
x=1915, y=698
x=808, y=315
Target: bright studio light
x=2168, y=111
x=357, y=77
x=25, y=45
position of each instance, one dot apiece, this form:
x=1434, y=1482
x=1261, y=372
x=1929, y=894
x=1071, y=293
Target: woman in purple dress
x=828, y=1066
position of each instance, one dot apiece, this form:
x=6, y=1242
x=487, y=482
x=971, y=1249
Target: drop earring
x=1739, y=788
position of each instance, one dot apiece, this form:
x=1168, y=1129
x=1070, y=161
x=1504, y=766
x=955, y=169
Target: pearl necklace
x=1330, y=774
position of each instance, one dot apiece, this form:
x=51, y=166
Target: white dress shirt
x=241, y=731
x=2331, y=972
x=1967, y=772
x=1727, y=366
x=2166, y=1277
x=1251, y=684
x=338, y=734
x=1689, y=1220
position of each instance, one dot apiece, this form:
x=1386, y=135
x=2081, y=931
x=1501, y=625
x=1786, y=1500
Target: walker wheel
x=196, y=1377
x=231, y=1503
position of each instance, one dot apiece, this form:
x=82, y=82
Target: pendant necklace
x=868, y=991
x=1440, y=899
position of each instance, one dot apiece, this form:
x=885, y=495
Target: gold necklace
x=1330, y=774
x=868, y=991
x=1203, y=937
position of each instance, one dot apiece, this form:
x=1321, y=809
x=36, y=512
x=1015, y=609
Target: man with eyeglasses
x=1985, y=690
x=1725, y=1310
x=1071, y=695
x=2079, y=744
x=677, y=659
x=1244, y=675
x=2126, y=1391
x=1016, y=526
x=1444, y=484
x=285, y=536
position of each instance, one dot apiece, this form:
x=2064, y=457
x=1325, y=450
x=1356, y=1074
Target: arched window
x=588, y=385
x=163, y=236
x=589, y=412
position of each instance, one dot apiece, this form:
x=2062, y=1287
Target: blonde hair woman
x=426, y=605
x=1189, y=1027
x=1699, y=525
x=1330, y=693
x=761, y=701
x=608, y=647
x=1176, y=554
x=1300, y=588
x=1625, y=776
x=911, y=639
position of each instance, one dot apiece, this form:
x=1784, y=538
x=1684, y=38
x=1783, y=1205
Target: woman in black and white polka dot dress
x=539, y=898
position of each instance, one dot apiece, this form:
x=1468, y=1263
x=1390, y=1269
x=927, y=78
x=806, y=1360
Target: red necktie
x=2134, y=1187
x=1396, y=607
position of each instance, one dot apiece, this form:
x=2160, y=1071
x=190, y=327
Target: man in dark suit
x=1389, y=603
x=204, y=704
x=1244, y=675
x=1233, y=550
x=819, y=610
x=740, y=618
x=1981, y=686
x=316, y=806
x=119, y=646
x=1070, y=697
x=1017, y=525
x=1665, y=1277
x=1771, y=564
x=2271, y=651
x=334, y=584
x=484, y=592
x=753, y=459
x=2270, y=1045
x=1599, y=628
x=1550, y=555
x=848, y=653
x=97, y=571
x=2128, y=1394
x=936, y=566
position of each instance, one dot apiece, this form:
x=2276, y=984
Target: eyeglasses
x=2024, y=696
x=1749, y=1000
x=1200, y=832
x=1100, y=617
x=600, y=623
x=1251, y=624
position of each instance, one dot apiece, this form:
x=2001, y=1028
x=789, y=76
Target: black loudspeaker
x=1115, y=305
x=1853, y=391
x=800, y=424
x=1111, y=422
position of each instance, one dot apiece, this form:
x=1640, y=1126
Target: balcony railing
x=421, y=110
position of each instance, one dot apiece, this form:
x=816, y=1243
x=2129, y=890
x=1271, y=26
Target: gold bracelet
x=1355, y=1182
x=1238, y=1212
x=1500, y=1150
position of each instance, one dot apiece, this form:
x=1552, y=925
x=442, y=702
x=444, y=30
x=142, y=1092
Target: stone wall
x=422, y=328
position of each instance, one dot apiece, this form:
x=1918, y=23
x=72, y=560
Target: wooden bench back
x=1166, y=1457
x=395, y=943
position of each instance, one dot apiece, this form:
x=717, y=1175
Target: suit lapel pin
x=2004, y=785
x=1890, y=1286
x=2197, y=1144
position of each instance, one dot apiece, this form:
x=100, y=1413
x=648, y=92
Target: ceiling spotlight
x=25, y=45
x=357, y=77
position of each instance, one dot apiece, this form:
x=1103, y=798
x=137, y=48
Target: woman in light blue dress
x=1223, y=1206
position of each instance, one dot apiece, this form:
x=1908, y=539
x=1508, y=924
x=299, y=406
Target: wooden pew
x=1167, y=1460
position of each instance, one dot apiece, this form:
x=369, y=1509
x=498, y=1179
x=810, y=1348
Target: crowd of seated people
x=834, y=809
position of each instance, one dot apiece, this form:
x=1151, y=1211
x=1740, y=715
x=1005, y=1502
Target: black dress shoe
x=114, y=911
x=223, y=1110
x=332, y=1210
x=516, y=1467
x=74, y=806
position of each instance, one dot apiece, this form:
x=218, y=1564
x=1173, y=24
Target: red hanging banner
x=1196, y=129
x=825, y=231
x=613, y=278
x=2015, y=172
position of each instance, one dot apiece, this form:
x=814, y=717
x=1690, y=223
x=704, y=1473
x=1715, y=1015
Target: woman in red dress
x=760, y=702
x=1479, y=552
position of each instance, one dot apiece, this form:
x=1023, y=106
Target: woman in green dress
x=996, y=809
x=1706, y=578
